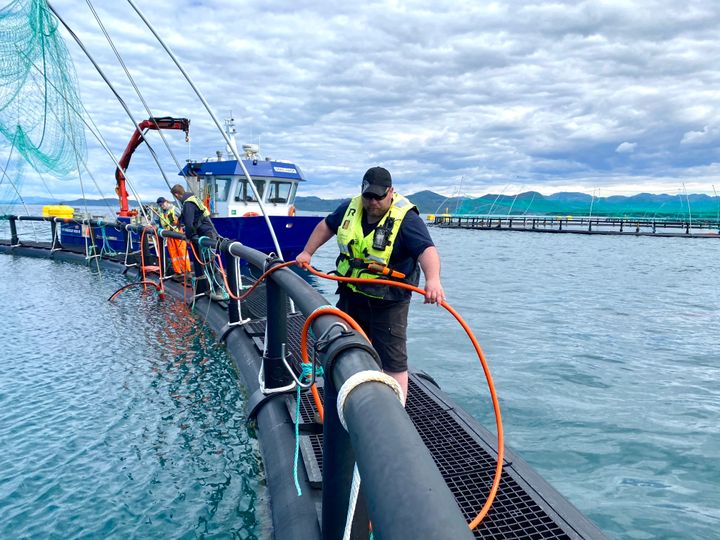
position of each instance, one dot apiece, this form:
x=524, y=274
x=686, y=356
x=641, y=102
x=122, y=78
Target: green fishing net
x=39, y=99
x=644, y=205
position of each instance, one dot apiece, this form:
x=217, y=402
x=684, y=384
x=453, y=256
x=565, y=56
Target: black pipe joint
x=271, y=261
x=225, y=243
x=340, y=342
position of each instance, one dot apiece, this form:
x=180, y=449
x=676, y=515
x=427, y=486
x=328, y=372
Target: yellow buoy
x=58, y=210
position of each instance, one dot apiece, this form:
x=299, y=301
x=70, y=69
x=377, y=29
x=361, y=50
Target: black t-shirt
x=412, y=238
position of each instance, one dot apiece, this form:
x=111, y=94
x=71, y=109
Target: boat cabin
x=223, y=186
x=227, y=192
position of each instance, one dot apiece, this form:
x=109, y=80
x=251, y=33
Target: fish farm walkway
x=526, y=506
x=685, y=228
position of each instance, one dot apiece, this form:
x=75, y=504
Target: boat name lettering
x=284, y=169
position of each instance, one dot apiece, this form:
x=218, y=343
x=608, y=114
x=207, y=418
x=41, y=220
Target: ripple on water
x=118, y=420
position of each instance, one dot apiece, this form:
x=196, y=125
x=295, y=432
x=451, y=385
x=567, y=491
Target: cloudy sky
x=602, y=96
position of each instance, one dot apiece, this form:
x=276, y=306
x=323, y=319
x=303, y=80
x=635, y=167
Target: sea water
x=124, y=419
x=605, y=354
x=118, y=419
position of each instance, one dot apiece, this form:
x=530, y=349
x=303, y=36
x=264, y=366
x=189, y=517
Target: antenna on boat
x=217, y=123
x=231, y=131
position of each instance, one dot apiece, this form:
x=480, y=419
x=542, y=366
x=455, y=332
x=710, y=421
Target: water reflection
x=134, y=429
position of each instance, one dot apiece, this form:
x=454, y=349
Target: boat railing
x=586, y=224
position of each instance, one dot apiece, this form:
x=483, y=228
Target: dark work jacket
x=192, y=218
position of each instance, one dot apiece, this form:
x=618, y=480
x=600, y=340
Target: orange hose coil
x=334, y=311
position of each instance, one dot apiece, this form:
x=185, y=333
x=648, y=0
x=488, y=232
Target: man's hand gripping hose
x=481, y=356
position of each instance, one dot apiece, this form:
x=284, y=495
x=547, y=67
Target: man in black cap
x=380, y=235
x=166, y=214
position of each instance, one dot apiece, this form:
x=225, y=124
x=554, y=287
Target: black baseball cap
x=161, y=200
x=377, y=180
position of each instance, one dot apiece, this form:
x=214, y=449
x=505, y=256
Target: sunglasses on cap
x=373, y=197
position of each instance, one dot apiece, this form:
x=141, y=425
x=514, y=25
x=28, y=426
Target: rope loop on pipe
x=360, y=378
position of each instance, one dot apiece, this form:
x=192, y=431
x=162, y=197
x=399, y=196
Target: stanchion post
x=14, y=240
x=276, y=375
x=233, y=275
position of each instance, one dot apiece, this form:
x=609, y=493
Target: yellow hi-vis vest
x=357, y=251
x=193, y=199
x=168, y=219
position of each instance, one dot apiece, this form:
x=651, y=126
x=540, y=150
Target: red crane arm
x=166, y=122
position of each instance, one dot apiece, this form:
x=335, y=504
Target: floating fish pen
x=426, y=468
x=631, y=226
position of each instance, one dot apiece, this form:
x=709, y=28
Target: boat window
x=222, y=186
x=245, y=193
x=293, y=191
x=280, y=192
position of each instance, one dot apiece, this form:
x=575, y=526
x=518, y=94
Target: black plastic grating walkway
x=463, y=452
x=514, y=514
x=453, y=449
x=468, y=470
x=307, y=405
x=254, y=304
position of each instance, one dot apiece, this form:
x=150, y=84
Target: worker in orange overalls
x=176, y=248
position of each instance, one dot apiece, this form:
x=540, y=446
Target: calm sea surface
x=125, y=419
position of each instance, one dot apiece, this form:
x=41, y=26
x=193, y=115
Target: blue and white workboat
x=234, y=205
x=225, y=189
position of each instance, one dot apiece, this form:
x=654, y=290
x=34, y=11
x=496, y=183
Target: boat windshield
x=244, y=192
x=281, y=192
x=222, y=187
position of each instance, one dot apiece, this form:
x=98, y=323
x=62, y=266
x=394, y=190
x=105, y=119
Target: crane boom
x=165, y=122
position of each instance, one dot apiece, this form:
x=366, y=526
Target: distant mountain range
x=530, y=202
x=563, y=203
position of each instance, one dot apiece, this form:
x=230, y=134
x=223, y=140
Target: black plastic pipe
x=274, y=370
x=396, y=468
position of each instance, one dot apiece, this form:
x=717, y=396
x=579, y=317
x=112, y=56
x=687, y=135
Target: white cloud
x=706, y=135
x=626, y=148
x=530, y=93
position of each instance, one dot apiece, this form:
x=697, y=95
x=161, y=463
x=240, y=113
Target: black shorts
x=385, y=323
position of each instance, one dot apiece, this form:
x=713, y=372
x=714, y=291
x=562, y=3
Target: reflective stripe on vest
x=193, y=199
x=168, y=220
x=353, y=245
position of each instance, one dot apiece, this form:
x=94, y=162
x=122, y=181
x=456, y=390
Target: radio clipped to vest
x=381, y=238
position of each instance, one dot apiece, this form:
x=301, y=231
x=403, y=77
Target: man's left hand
x=434, y=293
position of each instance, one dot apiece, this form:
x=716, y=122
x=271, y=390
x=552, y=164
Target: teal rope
x=208, y=256
x=297, y=442
x=106, y=243
x=306, y=376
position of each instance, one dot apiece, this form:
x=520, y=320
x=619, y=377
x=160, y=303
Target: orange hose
x=331, y=310
x=303, y=346
x=133, y=284
x=257, y=282
x=198, y=258
x=491, y=386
